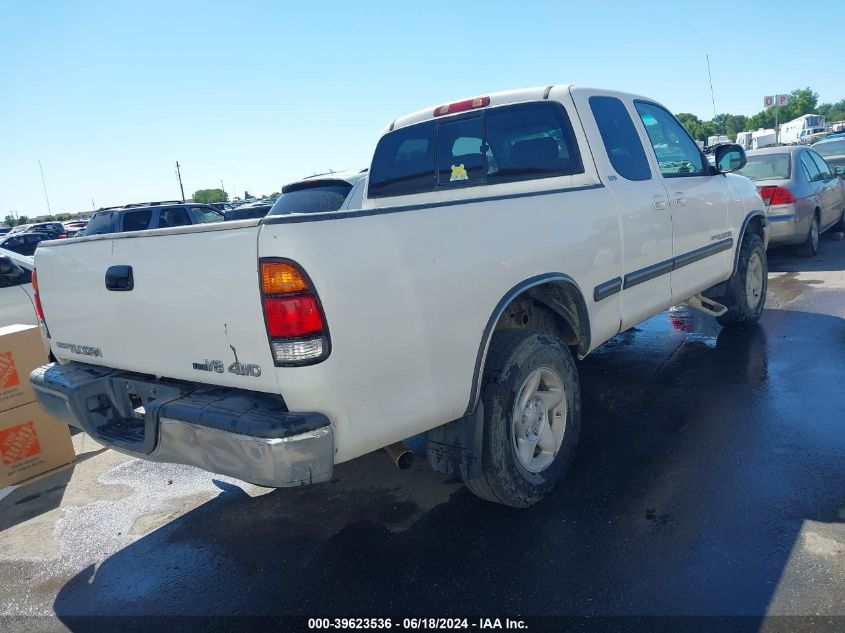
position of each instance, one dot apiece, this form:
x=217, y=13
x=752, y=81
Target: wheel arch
x=757, y=222
x=556, y=293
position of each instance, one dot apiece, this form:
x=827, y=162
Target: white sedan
x=16, y=303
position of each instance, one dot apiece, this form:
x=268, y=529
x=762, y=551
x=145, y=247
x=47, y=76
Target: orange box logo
x=8, y=372
x=19, y=442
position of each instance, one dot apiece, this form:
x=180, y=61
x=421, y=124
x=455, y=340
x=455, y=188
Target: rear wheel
x=746, y=289
x=839, y=227
x=532, y=417
x=810, y=247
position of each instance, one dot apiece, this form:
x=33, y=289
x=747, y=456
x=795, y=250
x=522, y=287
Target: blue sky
x=108, y=95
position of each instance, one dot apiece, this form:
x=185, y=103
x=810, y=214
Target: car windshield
x=832, y=148
x=767, y=167
x=316, y=199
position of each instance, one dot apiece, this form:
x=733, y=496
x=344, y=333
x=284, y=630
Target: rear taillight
x=36, y=299
x=63, y=236
x=293, y=316
x=774, y=195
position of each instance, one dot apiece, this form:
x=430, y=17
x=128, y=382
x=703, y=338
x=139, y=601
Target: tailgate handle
x=120, y=278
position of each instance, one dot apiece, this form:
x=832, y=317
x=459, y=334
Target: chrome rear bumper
x=242, y=434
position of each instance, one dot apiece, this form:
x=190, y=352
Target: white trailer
x=744, y=139
x=801, y=130
x=763, y=138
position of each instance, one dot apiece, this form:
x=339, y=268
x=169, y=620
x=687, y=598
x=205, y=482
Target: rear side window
x=176, y=216
x=620, y=138
x=100, y=223
x=811, y=171
x=504, y=144
x=824, y=170
x=311, y=199
x=136, y=220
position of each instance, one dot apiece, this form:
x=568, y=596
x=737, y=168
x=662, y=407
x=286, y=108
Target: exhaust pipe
x=400, y=455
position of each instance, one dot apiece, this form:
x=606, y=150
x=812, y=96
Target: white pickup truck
x=500, y=238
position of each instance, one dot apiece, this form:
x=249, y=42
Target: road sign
x=772, y=100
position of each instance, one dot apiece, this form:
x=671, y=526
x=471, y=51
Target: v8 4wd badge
x=237, y=368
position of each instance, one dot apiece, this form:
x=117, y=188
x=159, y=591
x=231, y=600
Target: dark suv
x=55, y=230
x=141, y=218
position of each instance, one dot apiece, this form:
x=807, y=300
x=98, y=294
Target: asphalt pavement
x=709, y=481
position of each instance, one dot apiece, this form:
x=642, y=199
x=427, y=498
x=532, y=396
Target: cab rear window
x=504, y=144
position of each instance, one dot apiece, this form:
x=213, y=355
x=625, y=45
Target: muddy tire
x=532, y=417
x=746, y=289
x=810, y=247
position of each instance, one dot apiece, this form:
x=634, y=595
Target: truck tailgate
x=193, y=313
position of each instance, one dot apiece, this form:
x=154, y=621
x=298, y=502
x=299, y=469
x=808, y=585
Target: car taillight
x=63, y=236
x=774, y=194
x=293, y=316
x=462, y=106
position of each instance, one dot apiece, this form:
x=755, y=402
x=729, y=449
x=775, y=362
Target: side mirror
x=730, y=157
x=10, y=273
x=839, y=171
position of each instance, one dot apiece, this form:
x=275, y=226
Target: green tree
x=23, y=219
x=207, y=196
x=10, y=220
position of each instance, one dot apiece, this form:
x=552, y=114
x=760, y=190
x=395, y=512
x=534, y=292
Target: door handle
x=680, y=198
x=659, y=202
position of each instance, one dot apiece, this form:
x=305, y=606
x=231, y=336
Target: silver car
x=802, y=194
x=833, y=151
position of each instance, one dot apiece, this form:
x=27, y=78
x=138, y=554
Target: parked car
x=55, y=230
x=498, y=238
x=4, y=230
x=72, y=227
x=833, y=151
x=140, y=218
x=23, y=243
x=16, y=294
x=248, y=211
x=802, y=195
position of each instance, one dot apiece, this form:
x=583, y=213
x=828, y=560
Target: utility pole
x=179, y=175
x=44, y=184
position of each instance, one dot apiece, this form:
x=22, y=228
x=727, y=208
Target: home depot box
x=21, y=351
x=31, y=442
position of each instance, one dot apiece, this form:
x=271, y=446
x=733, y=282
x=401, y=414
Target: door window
x=677, y=154
x=620, y=138
x=811, y=170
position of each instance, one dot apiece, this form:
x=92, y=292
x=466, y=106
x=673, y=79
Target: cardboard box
x=31, y=442
x=21, y=351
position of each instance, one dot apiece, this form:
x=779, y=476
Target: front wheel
x=532, y=417
x=746, y=289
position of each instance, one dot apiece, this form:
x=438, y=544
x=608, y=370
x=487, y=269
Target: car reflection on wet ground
x=708, y=481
